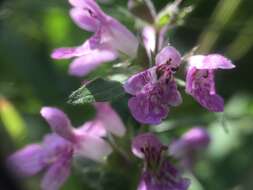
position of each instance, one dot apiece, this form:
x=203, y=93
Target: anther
x=174, y=69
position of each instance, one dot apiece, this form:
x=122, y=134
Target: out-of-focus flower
x=56, y=151
x=187, y=147
x=155, y=89
x=110, y=37
x=110, y=119
x=54, y=154
x=200, y=80
x=158, y=173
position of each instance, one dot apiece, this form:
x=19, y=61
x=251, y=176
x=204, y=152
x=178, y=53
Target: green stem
x=119, y=149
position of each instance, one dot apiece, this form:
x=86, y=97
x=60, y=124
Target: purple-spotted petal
x=147, y=112
x=92, y=147
x=59, y=122
x=144, y=140
x=211, y=61
x=136, y=83
x=169, y=55
x=213, y=103
x=85, y=64
x=200, y=84
x=56, y=175
x=84, y=20
x=168, y=178
x=190, y=79
x=110, y=119
x=27, y=161
x=171, y=96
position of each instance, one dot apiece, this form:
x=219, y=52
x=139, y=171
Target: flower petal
x=147, y=112
x=69, y=52
x=197, y=136
x=211, y=61
x=212, y=102
x=59, y=122
x=55, y=146
x=90, y=5
x=87, y=63
x=64, y=53
x=144, y=140
x=135, y=83
x=190, y=79
x=171, y=96
x=195, y=139
x=56, y=175
x=121, y=38
x=169, y=178
x=168, y=55
x=27, y=161
x=201, y=85
x=92, y=147
x=84, y=20
x=148, y=35
x=110, y=119
x=93, y=128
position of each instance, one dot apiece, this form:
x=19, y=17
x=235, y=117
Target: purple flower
x=154, y=90
x=54, y=154
x=200, y=80
x=158, y=173
x=187, y=147
x=110, y=37
x=57, y=150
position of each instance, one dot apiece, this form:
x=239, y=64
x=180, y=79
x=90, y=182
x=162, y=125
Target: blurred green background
x=30, y=79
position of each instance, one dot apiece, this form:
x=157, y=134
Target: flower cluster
x=155, y=89
x=153, y=92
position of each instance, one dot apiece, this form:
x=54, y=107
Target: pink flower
x=187, y=147
x=155, y=89
x=55, y=153
x=200, y=80
x=158, y=173
x=110, y=38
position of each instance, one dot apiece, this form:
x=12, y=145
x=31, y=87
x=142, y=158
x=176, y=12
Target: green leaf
x=98, y=90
